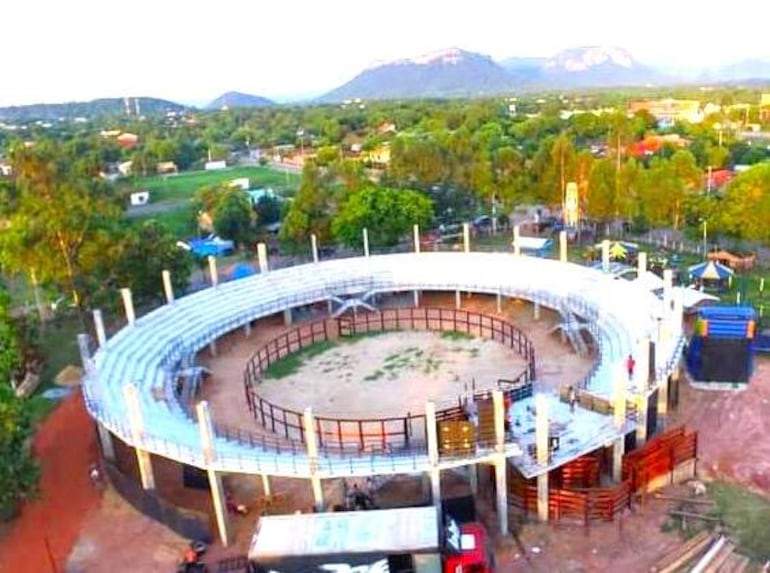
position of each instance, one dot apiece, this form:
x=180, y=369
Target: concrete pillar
x=668, y=293
x=264, y=266
x=431, y=431
x=136, y=425
x=128, y=305
x=215, y=478
x=287, y=317
x=314, y=247
x=416, y=232
x=473, y=478
x=247, y=329
x=641, y=419
x=501, y=485
x=563, y=246
x=542, y=497
x=516, y=244
x=213, y=271
x=499, y=301
x=619, y=397
x=498, y=404
x=85, y=351
x=542, y=429
x=536, y=310
x=105, y=439
x=168, y=288
x=677, y=314
x=365, y=233
x=101, y=335
x=416, y=299
x=329, y=306
x=458, y=300
x=618, y=449
x=606, y=255
x=641, y=263
x=213, y=348
x=642, y=368
x=466, y=237
x=311, y=441
x=663, y=395
x=267, y=489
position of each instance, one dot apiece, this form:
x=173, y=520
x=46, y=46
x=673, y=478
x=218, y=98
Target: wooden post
x=213, y=270
x=365, y=233
x=563, y=246
x=262, y=258
x=314, y=246
x=516, y=243
x=466, y=237
x=416, y=233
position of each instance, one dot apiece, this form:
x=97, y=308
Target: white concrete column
x=536, y=311
x=563, y=246
x=618, y=449
x=542, y=431
x=215, y=478
x=264, y=266
x=677, y=314
x=501, y=485
x=247, y=329
x=466, y=237
x=101, y=335
x=458, y=300
x=314, y=246
x=641, y=263
x=105, y=439
x=365, y=233
x=542, y=497
x=213, y=271
x=267, y=489
x=85, y=351
x=663, y=395
x=213, y=348
x=642, y=367
x=498, y=404
x=329, y=306
x=136, y=425
x=416, y=233
x=499, y=301
x=516, y=243
x=619, y=397
x=606, y=255
x=668, y=293
x=128, y=305
x=168, y=288
x=431, y=432
x=287, y=317
x=416, y=299
x=641, y=419
x=311, y=441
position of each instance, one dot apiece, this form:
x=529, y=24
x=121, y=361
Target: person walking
x=630, y=364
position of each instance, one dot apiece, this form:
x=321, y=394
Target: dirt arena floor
x=102, y=533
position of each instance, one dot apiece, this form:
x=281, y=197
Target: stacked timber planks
x=687, y=552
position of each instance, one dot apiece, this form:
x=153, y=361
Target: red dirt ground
x=65, y=446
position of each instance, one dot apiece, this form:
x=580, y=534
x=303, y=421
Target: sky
x=192, y=51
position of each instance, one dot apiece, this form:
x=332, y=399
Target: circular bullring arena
x=343, y=368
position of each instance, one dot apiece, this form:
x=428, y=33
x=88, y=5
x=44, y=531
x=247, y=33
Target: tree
x=387, y=214
x=146, y=252
x=63, y=225
x=10, y=351
x=18, y=470
x=233, y=215
x=746, y=204
x=311, y=210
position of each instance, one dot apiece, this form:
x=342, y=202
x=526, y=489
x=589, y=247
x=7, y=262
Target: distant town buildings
x=668, y=112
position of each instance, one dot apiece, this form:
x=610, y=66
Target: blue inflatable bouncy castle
x=722, y=345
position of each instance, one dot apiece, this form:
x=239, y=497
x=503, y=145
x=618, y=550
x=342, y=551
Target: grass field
x=185, y=185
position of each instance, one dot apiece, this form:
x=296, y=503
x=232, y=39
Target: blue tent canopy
x=710, y=270
x=241, y=271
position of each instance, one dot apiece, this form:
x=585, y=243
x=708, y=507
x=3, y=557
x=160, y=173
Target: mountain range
x=444, y=74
